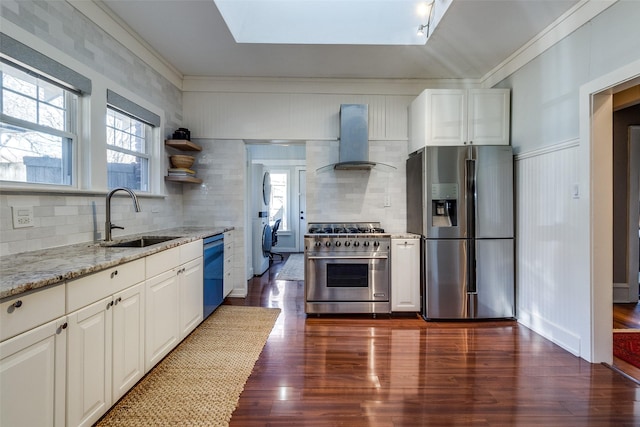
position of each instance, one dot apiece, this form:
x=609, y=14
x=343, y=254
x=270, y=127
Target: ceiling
x=471, y=39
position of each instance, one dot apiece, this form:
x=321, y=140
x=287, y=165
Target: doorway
x=596, y=129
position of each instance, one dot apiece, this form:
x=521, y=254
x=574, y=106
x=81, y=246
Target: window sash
x=33, y=160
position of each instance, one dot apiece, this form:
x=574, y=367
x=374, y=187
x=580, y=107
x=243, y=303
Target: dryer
x=260, y=229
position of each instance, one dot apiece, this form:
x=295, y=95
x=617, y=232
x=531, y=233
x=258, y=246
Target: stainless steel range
x=347, y=268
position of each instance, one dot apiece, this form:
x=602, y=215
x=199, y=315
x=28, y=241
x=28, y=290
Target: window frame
x=148, y=154
x=72, y=113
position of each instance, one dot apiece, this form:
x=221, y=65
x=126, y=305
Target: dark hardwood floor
x=626, y=316
x=402, y=371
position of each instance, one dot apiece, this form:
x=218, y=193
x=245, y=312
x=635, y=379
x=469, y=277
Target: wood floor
x=626, y=316
x=402, y=371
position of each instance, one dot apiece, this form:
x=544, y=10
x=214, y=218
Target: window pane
x=20, y=107
x=278, y=206
x=125, y=132
x=125, y=170
x=30, y=156
x=51, y=116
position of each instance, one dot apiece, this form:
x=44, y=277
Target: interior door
x=302, y=207
x=634, y=213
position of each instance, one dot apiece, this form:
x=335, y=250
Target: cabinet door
x=32, y=377
x=161, y=317
x=489, y=116
x=190, y=280
x=447, y=117
x=89, y=363
x=405, y=275
x=128, y=339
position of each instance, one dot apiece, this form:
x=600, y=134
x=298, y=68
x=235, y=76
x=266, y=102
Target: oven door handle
x=338, y=257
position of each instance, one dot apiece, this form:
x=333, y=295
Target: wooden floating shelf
x=188, y=179
x=182, y=144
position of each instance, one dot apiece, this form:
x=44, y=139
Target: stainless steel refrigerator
x=460, y=199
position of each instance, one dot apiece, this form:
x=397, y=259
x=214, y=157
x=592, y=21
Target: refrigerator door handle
x=470, y=178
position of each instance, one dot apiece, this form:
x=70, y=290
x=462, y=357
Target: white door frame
x=596, y=130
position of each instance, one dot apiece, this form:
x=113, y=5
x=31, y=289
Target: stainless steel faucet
x=107, y=224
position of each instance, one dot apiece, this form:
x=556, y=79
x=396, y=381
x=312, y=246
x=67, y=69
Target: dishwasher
x=213, y=254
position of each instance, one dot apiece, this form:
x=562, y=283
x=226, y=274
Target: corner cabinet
x=183, y=145
x=459, y=117
x=405, y=275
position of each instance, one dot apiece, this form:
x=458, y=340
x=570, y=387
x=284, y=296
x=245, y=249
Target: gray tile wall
x=357, y=195
x=66, y=219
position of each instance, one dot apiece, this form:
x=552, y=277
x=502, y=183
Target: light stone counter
x=405, y=236
x=23, y=272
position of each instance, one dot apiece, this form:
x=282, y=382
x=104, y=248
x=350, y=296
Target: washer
x=260, y=229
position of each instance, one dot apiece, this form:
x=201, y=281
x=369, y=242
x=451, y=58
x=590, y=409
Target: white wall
x=556, y=300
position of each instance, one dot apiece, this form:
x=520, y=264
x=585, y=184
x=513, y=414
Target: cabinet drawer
x=91, y=288
x=162, y=261
x=228, y=264
x=190, y=251
x=228, y=250
x=26, y=311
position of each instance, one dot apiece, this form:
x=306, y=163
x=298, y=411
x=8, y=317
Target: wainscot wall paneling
x=311, y=116
x=548, y=274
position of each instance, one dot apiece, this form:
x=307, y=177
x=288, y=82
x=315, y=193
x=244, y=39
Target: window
x=279, y=203
x=37, y=128
x=127, y=151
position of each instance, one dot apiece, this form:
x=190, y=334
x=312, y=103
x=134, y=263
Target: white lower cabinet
x=32, y=376
x=105, y=354
x=128, y=340
x=161, y=317
x=190, y=284
x=405, y=275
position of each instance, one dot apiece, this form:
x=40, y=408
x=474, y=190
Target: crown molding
x=574, y=18
x=103, y=17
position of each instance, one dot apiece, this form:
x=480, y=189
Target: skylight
x=360, y=22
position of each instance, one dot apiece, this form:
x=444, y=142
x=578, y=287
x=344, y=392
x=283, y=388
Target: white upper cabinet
x=459, y=117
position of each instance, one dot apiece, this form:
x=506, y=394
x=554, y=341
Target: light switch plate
x=22, y=216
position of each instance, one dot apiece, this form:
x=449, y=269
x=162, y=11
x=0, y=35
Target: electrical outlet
x=22, y=216
x=387, y=201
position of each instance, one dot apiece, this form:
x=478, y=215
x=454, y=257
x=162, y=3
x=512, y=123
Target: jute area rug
x=293, y=269
x=626, y=345
x=200, y=381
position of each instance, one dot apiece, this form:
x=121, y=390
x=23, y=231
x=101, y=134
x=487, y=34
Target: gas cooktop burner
x=347, y=228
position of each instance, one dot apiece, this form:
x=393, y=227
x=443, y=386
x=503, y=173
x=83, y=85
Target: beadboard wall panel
x=548, y=237
x=310, y=116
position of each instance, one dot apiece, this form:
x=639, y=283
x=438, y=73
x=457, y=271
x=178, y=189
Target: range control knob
x=366, y=243
x=356, y=243
x=376, y=243
x=318, y=244
x=347, y=243
x=338, y=243
x=328, y=243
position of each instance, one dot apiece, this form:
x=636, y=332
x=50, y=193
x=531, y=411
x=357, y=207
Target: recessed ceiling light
x=345, y=22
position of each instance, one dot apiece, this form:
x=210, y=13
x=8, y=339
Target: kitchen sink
x=140, y=242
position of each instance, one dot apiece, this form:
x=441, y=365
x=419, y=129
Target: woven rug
x=293, y=269
x=200, y=381
x=626, y=346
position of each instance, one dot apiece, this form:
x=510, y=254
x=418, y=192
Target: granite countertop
x=32, y=270
x=405, y=236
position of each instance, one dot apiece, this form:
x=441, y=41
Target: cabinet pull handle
x=17, y=304
x=109, y=304
x=114, y=273
x=62, y=327
x=119, y=299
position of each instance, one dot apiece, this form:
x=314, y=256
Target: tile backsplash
x=60, y=220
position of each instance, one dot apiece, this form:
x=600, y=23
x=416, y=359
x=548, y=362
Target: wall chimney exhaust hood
x=353, y=153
